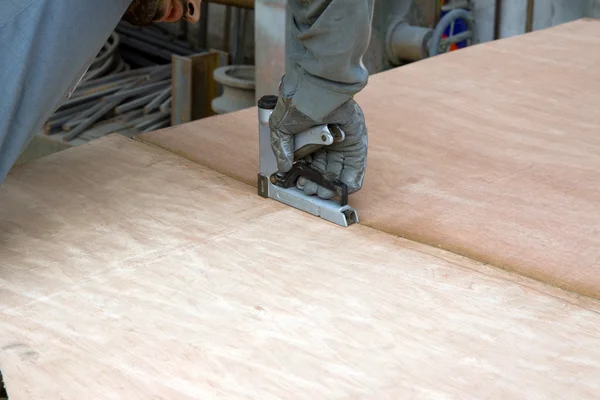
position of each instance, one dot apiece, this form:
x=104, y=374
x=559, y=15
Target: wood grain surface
x=127, y=272
x=492, y=152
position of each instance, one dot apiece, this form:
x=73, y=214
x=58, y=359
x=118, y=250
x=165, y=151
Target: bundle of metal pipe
x=127, y=89
x=131, y=101
x=107, y=61
x=145, y=46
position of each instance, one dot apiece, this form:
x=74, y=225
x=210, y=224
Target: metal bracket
x=282, y=188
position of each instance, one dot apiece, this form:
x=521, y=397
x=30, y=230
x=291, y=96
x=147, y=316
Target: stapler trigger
x=302, y=169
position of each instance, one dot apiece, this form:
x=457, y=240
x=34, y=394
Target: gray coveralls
x=47, y=45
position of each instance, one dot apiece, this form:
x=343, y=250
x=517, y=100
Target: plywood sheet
x=492, y=152
x=130, y=273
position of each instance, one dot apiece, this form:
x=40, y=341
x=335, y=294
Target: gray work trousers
x=325, y=43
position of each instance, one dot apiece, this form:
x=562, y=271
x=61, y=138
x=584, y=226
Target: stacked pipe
x=137, y=99
x=145, y=46
x=126, y=89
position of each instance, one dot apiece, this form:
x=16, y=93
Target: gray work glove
x=345, y=160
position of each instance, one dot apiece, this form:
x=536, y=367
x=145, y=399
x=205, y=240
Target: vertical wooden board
x=181, y=106
x=204, y=86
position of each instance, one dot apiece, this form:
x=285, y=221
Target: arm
x=46, y=47
x=325, y=43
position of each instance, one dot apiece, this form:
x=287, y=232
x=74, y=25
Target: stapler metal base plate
x=293, y=197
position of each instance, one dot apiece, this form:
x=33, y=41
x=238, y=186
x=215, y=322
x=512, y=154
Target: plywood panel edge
x=162, y=139
x=455, y=257
x=466, y=263
x=581, y=30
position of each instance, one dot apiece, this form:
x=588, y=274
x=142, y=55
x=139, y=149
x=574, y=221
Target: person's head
x=145, y=12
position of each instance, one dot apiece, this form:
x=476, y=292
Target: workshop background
x=151, y=78
x=146, y=79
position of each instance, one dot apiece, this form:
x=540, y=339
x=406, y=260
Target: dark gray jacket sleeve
x=45, y=46
x=326, y=40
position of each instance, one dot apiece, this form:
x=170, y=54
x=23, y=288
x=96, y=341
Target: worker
x=46, y=47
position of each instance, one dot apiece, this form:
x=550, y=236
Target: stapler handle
x=308, y=142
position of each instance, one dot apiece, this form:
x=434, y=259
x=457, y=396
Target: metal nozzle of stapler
x=282, y=186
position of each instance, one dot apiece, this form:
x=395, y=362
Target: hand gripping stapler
x=282, y=187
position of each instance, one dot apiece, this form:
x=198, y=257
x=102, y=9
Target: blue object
x=459, y=26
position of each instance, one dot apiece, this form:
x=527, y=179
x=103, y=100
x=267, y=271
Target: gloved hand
x=344, y=160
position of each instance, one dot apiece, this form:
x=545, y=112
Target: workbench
x=149, y=268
